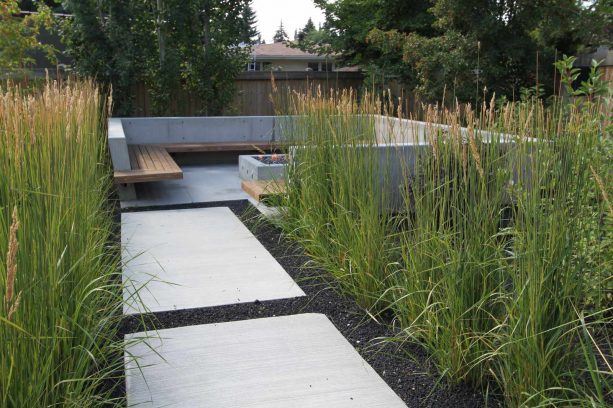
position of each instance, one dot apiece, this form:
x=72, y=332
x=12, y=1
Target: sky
x=294, y=14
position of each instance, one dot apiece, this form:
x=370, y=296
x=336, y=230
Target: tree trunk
x=161, y=37
x=206, y=43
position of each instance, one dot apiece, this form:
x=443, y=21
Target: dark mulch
x=404, y=366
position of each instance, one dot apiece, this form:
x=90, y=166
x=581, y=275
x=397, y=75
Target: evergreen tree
x=249, y=31
x=309, y=27
x=280, y=34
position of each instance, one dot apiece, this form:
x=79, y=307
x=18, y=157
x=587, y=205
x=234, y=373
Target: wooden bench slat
x=133, y=161
x=142, y=176
x=142, y=164
x=170, y=163
x=159, y=156
x=146, y=152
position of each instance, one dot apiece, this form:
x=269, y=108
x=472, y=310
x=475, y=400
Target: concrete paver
x=196, y=258
x=299, y=361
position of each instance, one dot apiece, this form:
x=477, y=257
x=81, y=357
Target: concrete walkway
x=194, y=258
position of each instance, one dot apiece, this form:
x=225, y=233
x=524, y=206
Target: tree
x=280, y=34
x=210, y=56
x=34, y=5
x=113, y=41
x=348, y=23
x=194, y=44
x=309, y=28
x=249, y=31
x=467, y=45
x=19, y=35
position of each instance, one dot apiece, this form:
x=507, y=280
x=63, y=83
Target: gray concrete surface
x=299, y=361
x=198, y=129
x=196, y=258
x=200, y=183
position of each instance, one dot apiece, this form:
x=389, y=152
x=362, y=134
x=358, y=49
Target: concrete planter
x=250, y=168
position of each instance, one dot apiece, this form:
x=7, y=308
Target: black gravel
x=404, y=366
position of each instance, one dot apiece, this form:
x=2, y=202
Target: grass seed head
x=11, y=267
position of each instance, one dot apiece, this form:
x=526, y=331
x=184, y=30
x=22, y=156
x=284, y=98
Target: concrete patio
x=200, y=183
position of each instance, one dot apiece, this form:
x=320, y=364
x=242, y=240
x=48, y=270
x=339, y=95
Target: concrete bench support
x=118, y=146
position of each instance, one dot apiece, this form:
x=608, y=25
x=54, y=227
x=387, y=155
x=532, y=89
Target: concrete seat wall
x=399, y=140
x=199, y=129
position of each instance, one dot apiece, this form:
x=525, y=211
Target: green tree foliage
x=308, y=29
x=113, y=41
x=249, y=21
x=348, y=23
x=33, y=5
x=19, y=35
x=194, y=44
x=280, y=34
x=309, y=26
x=463, y=48
x=203, y=42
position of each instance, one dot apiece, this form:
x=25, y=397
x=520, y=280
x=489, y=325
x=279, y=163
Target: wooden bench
x=154, y=162
x=149, y=163
x=217, y=147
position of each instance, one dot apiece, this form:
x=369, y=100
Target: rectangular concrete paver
x=299, y=361
x=196, y=258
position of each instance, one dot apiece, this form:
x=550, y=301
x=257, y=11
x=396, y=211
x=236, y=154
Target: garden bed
x=484, y=236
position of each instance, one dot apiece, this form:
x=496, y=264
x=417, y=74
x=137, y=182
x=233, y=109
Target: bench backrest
x=199, y=129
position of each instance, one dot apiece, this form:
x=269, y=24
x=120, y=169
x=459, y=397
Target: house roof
x=281, y=51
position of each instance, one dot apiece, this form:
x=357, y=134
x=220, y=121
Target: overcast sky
x=294, y=14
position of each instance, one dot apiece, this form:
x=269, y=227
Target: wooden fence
x=253, y=92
